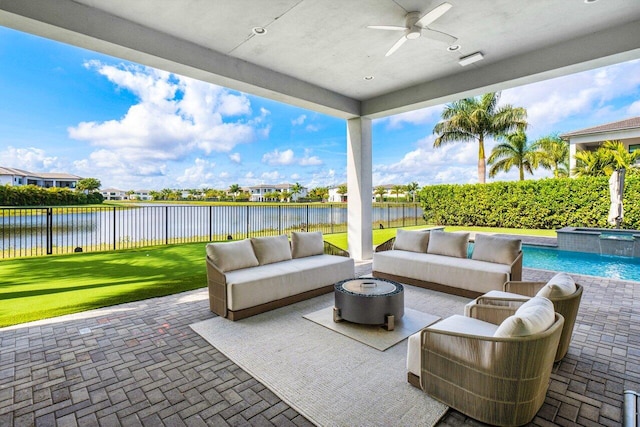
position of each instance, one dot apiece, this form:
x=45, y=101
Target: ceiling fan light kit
x=416, y=26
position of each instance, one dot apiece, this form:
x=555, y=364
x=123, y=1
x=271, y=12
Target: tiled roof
x=631, y=123
x=13, y=171
x=44, y=175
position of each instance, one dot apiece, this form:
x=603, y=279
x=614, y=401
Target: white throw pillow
x=449, y=244
x=413, y=241
x=306, y=244
x=232, y=255
x=500, y=250
x=560, y=285
x=534, y=316
x=271, y=249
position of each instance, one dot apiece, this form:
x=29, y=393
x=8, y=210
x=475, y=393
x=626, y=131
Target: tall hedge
x=31, y=195
x=542, y=204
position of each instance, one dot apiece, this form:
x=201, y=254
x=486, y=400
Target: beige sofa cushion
x=265, y=283
x=470, y=274
x=232, y=255
x=533, y=317
x=448, y=244
x=413, y=241
x=496, y=249
x=271, y=249
x=560, y=285
x=306, y=244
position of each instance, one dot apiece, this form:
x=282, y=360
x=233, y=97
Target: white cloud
x=271, y=176
x=277, y=157
x=294, y=176
x=287, y=158
x=298, y=121
x=235, y=158
x=634, y=109
x=174, y=117
x=588, y=95
x=312, y=128
x=31, y=159
x=198, y=175
x=249, y=175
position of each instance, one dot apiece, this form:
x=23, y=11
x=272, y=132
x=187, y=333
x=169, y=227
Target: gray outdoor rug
x=327, y=377
x=375, y=336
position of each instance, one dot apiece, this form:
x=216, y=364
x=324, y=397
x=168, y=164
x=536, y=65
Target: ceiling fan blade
x=396, y=46
x=434, y=14
x=439, y=36
x=386, y=27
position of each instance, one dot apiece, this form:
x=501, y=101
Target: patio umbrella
x=616, y=191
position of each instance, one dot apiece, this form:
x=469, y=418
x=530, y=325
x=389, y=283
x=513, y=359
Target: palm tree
x=296, y=189
x=515, y=151
x=397, y=189
x=475, y=119
x=342, y=191
x=622, y=158
x=553, y=153
x=592, y=163
x=380, y=191
x=234, y=189
x=412, y=188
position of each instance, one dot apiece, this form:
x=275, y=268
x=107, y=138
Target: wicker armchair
x=500, y=381
x=505, y=305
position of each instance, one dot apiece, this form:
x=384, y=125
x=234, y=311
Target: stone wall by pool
x=605, y=241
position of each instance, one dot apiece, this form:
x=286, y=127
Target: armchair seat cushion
x=455, y=323
x=560, y=285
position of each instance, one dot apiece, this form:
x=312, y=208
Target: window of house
x=634, y=147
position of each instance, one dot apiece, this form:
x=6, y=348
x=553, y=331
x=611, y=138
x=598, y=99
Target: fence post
x=210, y=223
x=388, y=215
x=307, y=222
x=279, y=219
x=247, y=221
x=114, y=229
x=403, y=214
x=166, y=224
x=49, y=231
x=331, y=217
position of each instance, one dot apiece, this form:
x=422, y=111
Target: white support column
x=359, y=187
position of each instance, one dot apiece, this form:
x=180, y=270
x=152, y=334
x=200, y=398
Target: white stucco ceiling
x=316, y=53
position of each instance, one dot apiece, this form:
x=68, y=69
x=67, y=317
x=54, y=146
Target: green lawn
x=42, y=287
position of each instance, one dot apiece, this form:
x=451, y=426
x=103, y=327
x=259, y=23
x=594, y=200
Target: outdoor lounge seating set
x=438, y=260
x=255, y=275
x=494, y=363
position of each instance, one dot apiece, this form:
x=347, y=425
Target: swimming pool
x=613, y=267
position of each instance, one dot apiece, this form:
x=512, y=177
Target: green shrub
x=31, y=195
x=542, y=204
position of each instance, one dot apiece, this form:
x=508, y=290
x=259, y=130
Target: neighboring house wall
x=258, y=192
x=113, y=194
x=626, y=131
x=19, y=177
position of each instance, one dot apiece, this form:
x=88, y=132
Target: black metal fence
x=59, y=230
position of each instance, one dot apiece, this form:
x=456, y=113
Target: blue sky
x=66, y=109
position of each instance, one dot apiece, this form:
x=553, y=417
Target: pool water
x=609, y=266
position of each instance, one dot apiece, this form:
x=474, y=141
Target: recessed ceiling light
x=470, y=59
x=368, y=77
x=453, y=47
x=259, y=31
x=590, y=1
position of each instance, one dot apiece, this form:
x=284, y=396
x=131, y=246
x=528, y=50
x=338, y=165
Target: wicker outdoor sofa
x=255, y=275
x=434, y=259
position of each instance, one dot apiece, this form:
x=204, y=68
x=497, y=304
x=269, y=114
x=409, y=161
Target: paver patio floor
x=141, y=364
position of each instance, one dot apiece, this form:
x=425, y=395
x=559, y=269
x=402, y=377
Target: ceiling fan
x=417, y=26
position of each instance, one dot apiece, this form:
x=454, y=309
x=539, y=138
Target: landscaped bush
x=31, y=195
x=543, y=204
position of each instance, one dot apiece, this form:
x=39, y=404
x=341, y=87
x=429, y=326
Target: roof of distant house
x=632, y=123
x=44, y=175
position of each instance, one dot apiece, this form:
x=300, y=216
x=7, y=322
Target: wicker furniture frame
x=216, y=282
x=567, y=306
x=499, y=381
x=516, y=274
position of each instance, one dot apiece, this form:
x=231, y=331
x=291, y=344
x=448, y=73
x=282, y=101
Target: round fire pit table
x=369, y=302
